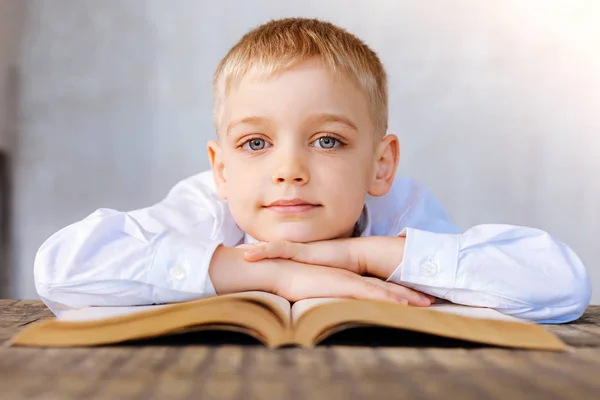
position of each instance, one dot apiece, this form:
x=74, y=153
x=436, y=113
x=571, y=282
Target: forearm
x=378, y=256
x=231, y=273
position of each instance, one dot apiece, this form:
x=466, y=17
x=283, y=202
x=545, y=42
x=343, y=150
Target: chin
x=300, y=238
x=297, y=232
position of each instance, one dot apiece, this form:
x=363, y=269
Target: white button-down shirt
x=161, y=254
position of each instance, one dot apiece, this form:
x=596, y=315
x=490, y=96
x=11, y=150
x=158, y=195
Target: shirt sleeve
x=516, y=270
x=158, y=254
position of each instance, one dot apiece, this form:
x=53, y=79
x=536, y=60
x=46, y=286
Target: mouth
x=291, y=206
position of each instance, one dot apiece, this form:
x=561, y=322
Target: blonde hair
x=281, y=44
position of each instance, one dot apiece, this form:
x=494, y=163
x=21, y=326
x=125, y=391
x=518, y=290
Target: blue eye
x=326, y=142
x=255, y=144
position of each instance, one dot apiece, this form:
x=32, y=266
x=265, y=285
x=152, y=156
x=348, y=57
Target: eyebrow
x=245, y=121
x=316, y=118
x=340, y=119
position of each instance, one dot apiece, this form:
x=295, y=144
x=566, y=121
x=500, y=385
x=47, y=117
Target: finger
x=280, y=249
x=322, y=254
x=414, y=297
x=262, y=251
x=417, y=298
x=296, y=282
x=330, y=282
x=360, y=288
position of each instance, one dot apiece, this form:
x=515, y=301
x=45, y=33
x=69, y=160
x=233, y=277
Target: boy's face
x=298, y=155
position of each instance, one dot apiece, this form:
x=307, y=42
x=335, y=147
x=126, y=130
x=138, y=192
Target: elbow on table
x=572, y=289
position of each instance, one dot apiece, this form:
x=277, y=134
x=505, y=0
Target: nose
x=291, y=168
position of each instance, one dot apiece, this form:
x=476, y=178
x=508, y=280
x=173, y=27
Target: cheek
x=243, y=184
x=241, y=200
x=349, y=171
x=346, y=181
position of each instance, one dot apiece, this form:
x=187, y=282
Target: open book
x=275, y=322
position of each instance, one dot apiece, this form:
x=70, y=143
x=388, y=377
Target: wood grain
x=194, y=371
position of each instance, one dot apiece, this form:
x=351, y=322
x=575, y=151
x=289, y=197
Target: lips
x=291, y=206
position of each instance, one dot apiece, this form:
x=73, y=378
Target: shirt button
x=177, y=272
x=429, y=269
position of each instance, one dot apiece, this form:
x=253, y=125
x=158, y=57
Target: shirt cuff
x=181, y=264
x=430, y=260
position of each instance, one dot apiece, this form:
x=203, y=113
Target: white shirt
x=161, y=254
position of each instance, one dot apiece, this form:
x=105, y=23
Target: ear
x=215, y=157
x=387, y=156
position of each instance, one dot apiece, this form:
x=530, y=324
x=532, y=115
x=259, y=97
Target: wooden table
x=197, y=371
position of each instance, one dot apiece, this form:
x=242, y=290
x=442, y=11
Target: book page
x=282, y=305
x=315, y=320
x=300, y=307
x=94, y=313
x=473, y=312
x=105, y=325
x=279, y=304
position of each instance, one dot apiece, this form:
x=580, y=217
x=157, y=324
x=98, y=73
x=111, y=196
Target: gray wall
x=11, y=13
x=496, y=105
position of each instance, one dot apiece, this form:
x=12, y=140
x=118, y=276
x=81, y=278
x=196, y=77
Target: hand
x=230, y=273
x=297, y=281
x=377, y=256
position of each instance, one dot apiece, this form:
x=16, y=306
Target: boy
x=302, y=201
